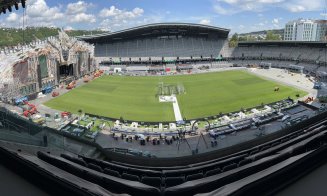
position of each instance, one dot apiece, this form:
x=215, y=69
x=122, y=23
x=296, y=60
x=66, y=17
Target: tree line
x=14, y=36
x=270, y=36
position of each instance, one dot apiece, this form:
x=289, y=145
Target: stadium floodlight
x=24, y=3
x=16, y=6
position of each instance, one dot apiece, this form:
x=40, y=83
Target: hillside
x=264, y=32
x=267, y=35
x=13, y=36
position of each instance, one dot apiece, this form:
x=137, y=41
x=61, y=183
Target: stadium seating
x=228, y=168
x=153, y=47
x=189, y=179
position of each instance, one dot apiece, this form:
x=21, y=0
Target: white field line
x=177, y=112
x=173, y=99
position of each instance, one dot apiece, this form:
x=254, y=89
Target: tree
x=271, y=36
x=242, y=39
x=233, y=41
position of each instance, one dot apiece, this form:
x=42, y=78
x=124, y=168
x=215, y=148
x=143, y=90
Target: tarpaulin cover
x=43, y=66
x=20, y=71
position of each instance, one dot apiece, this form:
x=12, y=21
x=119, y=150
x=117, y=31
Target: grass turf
x=134, y=98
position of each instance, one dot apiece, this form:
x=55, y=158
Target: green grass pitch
x=134, y=98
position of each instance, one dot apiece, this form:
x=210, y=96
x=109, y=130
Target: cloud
x=120, y=14
x=230, y=7
x=68, y=28
x=115, y=18
x=223, y=10
x=205, y=21
x=241, y=27
x=275, y=21
x=77, y=13
x=78, y=7
x=39, y=9
x=82, y=18
x=304, y=5
x=39, y=13
x=13, y=17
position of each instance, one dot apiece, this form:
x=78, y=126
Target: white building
x=305, y=30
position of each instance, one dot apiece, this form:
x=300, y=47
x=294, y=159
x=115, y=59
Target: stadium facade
x=160, y=41
x=182, y=45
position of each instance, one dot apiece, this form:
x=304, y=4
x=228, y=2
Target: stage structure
x=42, y=65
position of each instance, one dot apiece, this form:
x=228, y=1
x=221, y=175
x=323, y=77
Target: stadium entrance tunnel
x=66, y=70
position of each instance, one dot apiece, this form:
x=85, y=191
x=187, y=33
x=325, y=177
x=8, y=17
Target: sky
x=111, y=15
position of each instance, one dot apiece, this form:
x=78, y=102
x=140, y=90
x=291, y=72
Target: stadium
x=162, y=109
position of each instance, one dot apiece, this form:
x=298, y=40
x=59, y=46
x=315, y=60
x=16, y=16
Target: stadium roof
x=158, y=28
x=283, y=43
x=7, y=5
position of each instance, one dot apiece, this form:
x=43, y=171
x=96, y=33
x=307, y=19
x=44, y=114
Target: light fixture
x=16, y=6
x=24, y=3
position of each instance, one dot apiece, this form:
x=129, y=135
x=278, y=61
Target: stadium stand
x=169, y=40
x=173, y=45
x=243, y=169
x=292, y=152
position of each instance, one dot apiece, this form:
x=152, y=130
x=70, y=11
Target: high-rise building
x=321, y=32
x=305, y=30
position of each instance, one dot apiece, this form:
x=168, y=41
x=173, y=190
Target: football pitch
x=202, y=95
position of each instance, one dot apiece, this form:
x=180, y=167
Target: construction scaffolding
x=26, y=70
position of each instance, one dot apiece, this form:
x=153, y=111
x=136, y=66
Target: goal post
x=170, y=89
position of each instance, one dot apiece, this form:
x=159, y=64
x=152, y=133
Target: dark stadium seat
x=292, y=136
x=92, y=177
x=119, y=168
x=130, y=177
x=222, y=160
x=265, y=148
x=204, y=167
x=254, y=151
x=275, y=144
x=173, y=181
x=229, y=167
x=124, y=169
x=221, y=181
x=194, y=176
x=147, y=172
x=74, y=159
x=111, y=183
x=244, y=162
x=152, y=181
x=213, y=172
x=95, y=167
x=111, y=172
x=284, y=140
